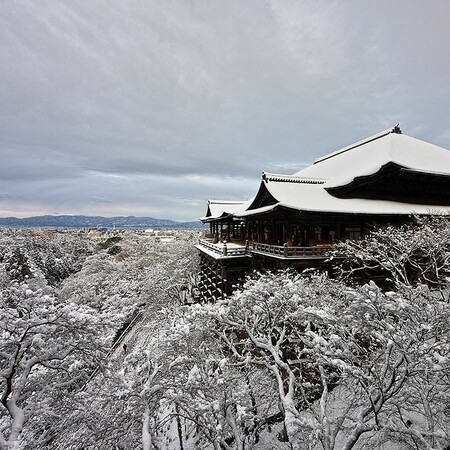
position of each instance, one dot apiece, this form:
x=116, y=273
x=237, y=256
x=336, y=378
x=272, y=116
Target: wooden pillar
x=312, y=235
x=338, y=231
x=290, y=232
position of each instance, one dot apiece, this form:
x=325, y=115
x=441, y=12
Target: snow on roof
x=306, y=189
x=314, y=198
x=358, y=144
x=221, y=208
x=218, y=207
x=226, y=202
x=368, y=156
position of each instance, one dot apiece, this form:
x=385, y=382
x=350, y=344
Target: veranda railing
x=318, y=251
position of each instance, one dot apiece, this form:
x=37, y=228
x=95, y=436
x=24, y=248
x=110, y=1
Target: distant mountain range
x=95, y=222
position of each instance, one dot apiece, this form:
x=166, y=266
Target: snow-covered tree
x=222, y=404
x=47, y=349
x=53, y=256
x=121, y=405
x=350, y=364
x=407, y=255
x=290, y=361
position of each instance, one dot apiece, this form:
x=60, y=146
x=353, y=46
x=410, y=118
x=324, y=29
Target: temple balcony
x=239, y=249
x=225, y=265
x=222, y=250
x=291, y=252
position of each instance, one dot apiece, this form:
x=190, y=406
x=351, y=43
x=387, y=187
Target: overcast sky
x=149, y=108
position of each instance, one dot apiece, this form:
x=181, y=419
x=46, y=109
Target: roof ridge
x=226, y=202
x=267, y=176
x=393, y=130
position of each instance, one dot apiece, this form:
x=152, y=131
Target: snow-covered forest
x=102, y=346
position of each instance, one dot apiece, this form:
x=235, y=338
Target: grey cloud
x=165, y=91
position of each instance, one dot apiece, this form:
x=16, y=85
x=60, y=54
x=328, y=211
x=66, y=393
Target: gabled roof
x=368, y=156
x=223, y=208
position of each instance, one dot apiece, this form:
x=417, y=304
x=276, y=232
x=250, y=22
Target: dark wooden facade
x=400, y=184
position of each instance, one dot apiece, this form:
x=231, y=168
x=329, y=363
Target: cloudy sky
x=146, y=107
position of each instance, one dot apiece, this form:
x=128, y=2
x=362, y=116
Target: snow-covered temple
x=293, y=220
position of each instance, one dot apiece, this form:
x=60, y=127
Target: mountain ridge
x=81, y=221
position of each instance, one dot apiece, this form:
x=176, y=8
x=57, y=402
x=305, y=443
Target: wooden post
x=289, y=232
x=312, y=235
x=338, y=231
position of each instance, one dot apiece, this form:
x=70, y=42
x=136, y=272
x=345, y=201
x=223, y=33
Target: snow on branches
x=407, y=255
x=348, y=364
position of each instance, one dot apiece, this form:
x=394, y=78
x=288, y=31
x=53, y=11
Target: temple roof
x=368, y=156
x=223, y=208
x=388, y=173
x=314, y=198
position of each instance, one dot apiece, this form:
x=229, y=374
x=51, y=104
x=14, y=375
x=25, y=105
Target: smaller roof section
x=220, y=209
